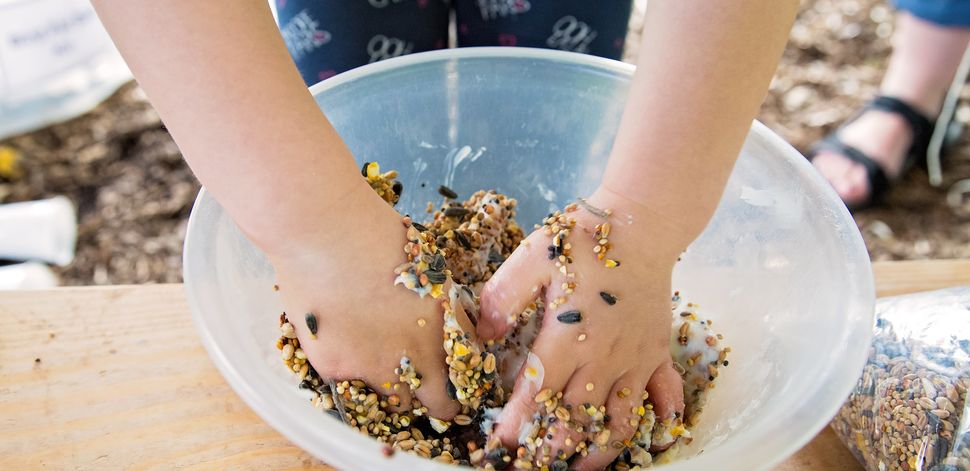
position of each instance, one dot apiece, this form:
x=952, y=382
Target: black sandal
x=921, y=127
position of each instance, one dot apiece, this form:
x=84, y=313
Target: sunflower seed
x=435, y=277
x=463, y=240
x=311, y=323
x=456, y=212
x=570, y=317
x=437, y=262
x=447, y=192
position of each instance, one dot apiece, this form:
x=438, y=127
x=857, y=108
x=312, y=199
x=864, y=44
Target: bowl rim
x=359, y=450
x=470, y=53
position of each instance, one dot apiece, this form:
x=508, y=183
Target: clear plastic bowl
x=781, y=268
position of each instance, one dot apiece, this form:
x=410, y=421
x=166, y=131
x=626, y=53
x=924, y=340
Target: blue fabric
x=597, y=28
x=326, y=37
x=941, y=12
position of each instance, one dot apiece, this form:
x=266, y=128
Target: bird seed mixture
x=467, y=241
x=906, y=410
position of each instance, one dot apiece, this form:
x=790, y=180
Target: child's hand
x=607, y=354
x=341, y=268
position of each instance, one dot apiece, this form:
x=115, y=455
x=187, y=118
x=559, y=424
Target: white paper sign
x=42, y=38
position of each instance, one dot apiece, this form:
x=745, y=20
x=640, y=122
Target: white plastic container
x=39, y=230
x=781, y=269
x=56, y=62
x=29, y=275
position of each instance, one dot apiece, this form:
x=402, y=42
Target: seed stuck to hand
x=603, y=213
x=406, y=425
x=570, y=317
x=435, y=277
x=544, y=395
x=311, y=323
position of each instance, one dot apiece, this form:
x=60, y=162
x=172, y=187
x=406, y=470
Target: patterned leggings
x=953, y=13
x=326, y=37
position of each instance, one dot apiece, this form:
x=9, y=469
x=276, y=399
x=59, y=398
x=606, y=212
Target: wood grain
x=824, y=452
x=895, y=278
x=116, y=378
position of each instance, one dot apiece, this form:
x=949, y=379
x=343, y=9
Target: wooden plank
x=116, y=378
x=824, y=453
x=895, y=278
x=123, y=382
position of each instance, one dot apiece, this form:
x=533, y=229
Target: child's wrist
x=321, y=221
x=664, y=235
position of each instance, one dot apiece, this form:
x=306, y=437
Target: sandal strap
x=878, y=181
x=921, y=126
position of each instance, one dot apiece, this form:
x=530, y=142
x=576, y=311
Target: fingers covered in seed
x=518, y=283
x=666, y=388
x=586, y=393
x=433, y=391
x=536, y=378
x=625, y=407
x=587, y=307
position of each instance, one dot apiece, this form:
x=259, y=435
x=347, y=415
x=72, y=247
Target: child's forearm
x=220, y=76
x=702, y=73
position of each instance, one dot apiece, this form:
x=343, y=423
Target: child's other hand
x=341, y=268
x=612, y=347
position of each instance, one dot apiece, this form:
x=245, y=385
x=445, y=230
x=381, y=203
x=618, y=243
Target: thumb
x=532, y=377
x=516, y=284
x=666, y=389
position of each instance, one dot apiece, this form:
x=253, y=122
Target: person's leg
x=597, y=28
x=326, y=37
x=925, y=58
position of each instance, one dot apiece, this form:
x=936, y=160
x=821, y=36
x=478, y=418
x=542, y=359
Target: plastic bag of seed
x=907, y=410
